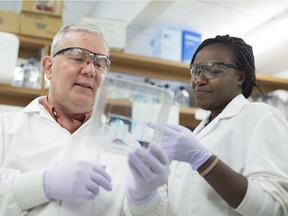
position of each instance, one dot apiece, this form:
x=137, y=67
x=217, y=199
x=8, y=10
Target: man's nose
x=89, y=69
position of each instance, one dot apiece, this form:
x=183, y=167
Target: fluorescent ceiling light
x=269, y=34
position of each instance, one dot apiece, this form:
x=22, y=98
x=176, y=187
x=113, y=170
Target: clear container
x=182, y=97
x=31, y=74
x=120, y=121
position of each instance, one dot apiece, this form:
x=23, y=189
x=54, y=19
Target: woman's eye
x=215, y=71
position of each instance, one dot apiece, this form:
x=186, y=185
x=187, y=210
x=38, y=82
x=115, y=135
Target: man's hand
x=78, y=180
x=150, y=170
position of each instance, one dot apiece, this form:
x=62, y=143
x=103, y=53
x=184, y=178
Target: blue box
x=190, y=42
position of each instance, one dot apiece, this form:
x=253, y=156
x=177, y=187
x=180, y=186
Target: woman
x=239, y=151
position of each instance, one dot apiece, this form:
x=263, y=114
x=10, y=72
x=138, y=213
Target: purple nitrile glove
x=150, y=170
x=180, y=144
x=78, y=180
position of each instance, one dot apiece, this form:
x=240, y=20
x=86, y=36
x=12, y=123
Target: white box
x=113, y=30
x=167, y=44
x=9, y=50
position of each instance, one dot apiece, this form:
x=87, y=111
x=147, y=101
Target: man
x=49, y=165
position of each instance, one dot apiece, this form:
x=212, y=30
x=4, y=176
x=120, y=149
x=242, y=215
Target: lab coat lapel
x=230, y=110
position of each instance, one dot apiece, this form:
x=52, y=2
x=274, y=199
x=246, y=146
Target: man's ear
x=47, y=66
x=242, y=78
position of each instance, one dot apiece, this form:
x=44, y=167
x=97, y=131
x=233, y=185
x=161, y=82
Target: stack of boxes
x=38, y=18
x=175, y=45
x=9, y=22
x=41, y=18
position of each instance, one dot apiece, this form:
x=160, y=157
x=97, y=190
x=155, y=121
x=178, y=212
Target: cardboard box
x=114, y=31
x=166, y=44
x=40, y=25
x=190, y=42
x=48, y=7
x=9, y=21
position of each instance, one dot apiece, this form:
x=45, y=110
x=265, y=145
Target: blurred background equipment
x=9, y=47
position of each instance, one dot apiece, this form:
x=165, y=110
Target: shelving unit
x=162, y=69
x=123, y=63
x=17, y=96
x=37, y=47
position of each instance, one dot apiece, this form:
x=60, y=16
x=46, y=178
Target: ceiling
x=209, y=18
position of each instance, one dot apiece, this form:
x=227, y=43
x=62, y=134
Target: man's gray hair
x=76, y=27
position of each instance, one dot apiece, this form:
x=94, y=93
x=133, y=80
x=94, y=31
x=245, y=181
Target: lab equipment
x=115, y=116
x=9, y=47
x=182, y=97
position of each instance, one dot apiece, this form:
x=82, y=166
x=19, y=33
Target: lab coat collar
x=232, y=109
x=35, y=105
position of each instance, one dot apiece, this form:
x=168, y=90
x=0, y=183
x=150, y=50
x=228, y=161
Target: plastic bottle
x=18, y=76
x=182, y=97
x=31, y=74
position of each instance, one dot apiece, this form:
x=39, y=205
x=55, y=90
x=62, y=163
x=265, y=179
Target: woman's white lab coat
x=32, y=140
x=251, y=138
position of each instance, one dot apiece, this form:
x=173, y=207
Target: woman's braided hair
x=243, y=56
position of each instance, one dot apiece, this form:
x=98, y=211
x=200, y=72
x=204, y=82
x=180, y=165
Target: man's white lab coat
x=32, y=141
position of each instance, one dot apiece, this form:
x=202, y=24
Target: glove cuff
x=46, y=180
x=141, y=201
x=147, y=208
x=201, y=158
